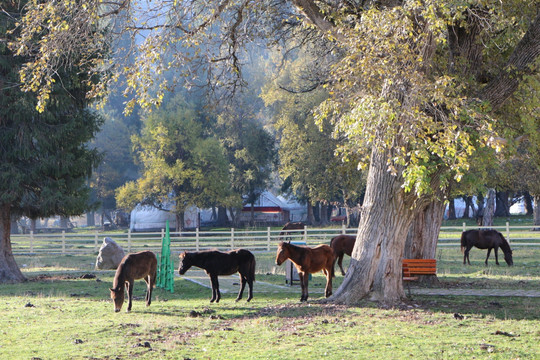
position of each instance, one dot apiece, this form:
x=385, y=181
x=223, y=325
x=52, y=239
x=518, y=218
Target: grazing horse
x=342, y=244
x=485, y=239
x=141, y=265
x=291, y=226
x=222, y=263
x=307, y=261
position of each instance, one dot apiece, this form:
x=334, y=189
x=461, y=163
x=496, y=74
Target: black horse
x=290, y=229
x=485, y=239
x=222, y=263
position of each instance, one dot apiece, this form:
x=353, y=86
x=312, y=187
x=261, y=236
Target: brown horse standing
x=141, y=265
x=485, y=239
x=342, y=244
x=307, y=261
x=292, y=226
x=222, y=263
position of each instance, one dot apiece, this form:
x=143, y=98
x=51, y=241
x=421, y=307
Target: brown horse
x=307, y=261
x=485, y=239
x=222, y=263
x=342, y=244
x=286, y=233
x=141, y=265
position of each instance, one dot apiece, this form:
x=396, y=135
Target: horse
x=485, y=239
x=342, y=244
x=307, y=261
x=141, y=265
x=222, y=263
x=292, y=226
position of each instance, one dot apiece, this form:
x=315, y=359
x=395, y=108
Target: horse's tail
x=463, y=241
x=332, y=241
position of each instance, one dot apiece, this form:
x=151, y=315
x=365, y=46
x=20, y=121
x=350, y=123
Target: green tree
x=44, y=158
x=249, y=148
x=182, y=162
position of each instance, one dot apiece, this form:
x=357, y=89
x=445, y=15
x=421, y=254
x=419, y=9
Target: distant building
x=271, y=210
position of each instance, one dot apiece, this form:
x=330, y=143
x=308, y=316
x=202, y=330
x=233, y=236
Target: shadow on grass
x=192, y=300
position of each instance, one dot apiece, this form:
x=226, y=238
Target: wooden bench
x=414, y=267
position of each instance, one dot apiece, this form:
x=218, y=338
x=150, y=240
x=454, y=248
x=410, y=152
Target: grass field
x=59, y=315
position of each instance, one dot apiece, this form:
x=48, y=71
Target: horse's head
x=508, y=258
x=117, y=294
x=282, y=253
x=185, y=263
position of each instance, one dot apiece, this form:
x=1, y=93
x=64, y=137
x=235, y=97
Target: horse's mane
x=505, y=246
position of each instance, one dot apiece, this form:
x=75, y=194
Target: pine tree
x=44, y=159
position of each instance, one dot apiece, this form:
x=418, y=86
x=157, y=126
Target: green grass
x=59, y=315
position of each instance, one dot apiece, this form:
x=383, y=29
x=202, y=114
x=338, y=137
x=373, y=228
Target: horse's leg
x=496, y=250
x=250, y=285
x=328, y=288
x=340, y=263
x=242, y=286
x=487, y=257
x=304, y=277
x=216, y=295
x=148, y=280
x=129, y=286
x=466, y=256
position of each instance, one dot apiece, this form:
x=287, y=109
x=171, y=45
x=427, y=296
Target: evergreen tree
x=44, y=158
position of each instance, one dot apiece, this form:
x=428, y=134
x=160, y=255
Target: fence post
x=31, y=241
x=63, y=241
x=197, y=239
x=129, y=240
x=508, y=231
x=268, y=238
x=305, y=234
x=232, y=238
x=343, y=231
x=95, y=241
x=464, y=226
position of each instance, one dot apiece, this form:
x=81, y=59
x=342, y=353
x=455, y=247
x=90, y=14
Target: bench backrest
x=419, y=267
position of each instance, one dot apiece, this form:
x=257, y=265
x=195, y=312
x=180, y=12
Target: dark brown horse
x=141, y=265
x=291, y=228
x=308, y=261
x=222, y=263
x=342, y=244
x=485, y=239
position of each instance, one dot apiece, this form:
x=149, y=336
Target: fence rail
x=255, y=240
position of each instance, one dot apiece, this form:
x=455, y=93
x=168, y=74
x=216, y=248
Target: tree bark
x=502, y=205
x=489, y=210
x=423, y=235
x=527, y=198
x=9, y=270
x=386, y=216
x=536, y=212
x=451, y=210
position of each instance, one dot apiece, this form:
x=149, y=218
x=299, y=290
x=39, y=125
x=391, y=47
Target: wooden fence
x=255, y=240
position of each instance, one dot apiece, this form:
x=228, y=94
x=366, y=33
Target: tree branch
x=520, y=63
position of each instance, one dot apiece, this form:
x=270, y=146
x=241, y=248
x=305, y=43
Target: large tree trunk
x=386, y=215
x=423, y=235
x=9, y=270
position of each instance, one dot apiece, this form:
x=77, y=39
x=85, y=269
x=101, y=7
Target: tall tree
x=44, y=158
x=183, y=164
